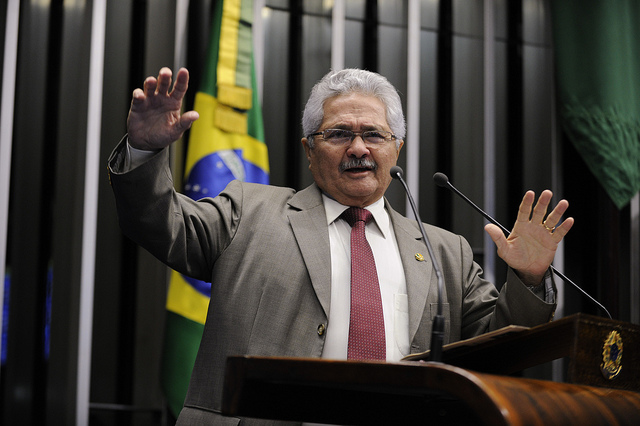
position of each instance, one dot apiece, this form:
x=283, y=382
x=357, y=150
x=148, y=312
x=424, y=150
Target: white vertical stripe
x=413, y=102
x=557, y=367
x=180, y=47
x=489, y=134
x=90, y=212
x=556, y=184
x=257, y=32
x=337, y=34
x=6, y=132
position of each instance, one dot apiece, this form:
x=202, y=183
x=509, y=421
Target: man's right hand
x=155, y=119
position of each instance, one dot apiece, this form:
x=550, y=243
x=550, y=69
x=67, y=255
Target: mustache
x=358, y=163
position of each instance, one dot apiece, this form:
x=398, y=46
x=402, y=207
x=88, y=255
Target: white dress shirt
x=393, y=288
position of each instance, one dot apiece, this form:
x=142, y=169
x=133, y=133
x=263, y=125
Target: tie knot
x=355, y=214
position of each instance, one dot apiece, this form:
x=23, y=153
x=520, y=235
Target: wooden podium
x=579, y=338
x=475, y=392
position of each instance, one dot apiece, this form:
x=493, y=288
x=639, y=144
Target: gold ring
x=547, y=228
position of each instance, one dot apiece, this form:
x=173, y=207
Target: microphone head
x=441, y=179
x=396, y=172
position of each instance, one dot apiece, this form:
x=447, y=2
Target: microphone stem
x=482, y=212
x=437, y=331
x=429, y=248
x=565, y=278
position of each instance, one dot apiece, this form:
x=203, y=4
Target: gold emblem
x=612, y=356
x=419, y=257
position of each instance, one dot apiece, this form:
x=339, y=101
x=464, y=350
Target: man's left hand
x=532, y=244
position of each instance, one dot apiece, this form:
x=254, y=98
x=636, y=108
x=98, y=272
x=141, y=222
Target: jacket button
x=321, y=329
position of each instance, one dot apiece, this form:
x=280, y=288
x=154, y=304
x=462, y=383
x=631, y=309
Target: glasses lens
x=337, y=136
x=376, y=136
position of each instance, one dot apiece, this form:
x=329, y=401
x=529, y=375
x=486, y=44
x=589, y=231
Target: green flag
x=225, y=143
x=597, y=45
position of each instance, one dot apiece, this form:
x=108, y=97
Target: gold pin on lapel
x=419, y=257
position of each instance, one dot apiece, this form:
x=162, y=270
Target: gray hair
x=352, y=80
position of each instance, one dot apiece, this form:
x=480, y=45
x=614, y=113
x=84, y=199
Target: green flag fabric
x=225, y=143
x=597, y=48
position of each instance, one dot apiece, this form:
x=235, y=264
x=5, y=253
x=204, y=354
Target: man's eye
x=337, y=134
x=374, y=135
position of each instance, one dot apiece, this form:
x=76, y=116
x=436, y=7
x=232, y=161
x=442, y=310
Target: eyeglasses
x=344, y=137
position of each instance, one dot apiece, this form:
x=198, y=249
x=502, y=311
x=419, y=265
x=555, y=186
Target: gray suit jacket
x=265, y=250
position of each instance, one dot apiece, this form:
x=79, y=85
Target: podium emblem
x=612, y=356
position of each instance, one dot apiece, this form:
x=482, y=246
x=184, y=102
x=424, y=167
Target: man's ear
x=307, y=148
x=400, y=145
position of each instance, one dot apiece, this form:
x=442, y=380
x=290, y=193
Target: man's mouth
x=358, y=166
x=357, y=170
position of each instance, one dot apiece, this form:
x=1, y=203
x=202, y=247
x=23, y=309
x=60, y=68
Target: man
x=279, y=261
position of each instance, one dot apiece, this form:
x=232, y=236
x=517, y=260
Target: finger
x=164, y=81
x=181, y=84
x=524, y=211
x=556, y=214
x=149, y=86
x=540, y=210
x=497, y=235
x=137, y=98
x=187, y=119
x=562, y=230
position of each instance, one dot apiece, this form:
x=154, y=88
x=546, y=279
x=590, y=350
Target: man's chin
x=360, y=196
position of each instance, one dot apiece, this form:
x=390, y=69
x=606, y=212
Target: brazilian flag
x=225, y=143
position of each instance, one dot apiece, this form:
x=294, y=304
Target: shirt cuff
x=134, y=157
x=546, y=290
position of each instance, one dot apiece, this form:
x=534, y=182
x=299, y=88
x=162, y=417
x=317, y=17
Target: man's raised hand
x=533, y=242
x=155, y=119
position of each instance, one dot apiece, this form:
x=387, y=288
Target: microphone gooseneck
x=437, y=332
x=442, y=180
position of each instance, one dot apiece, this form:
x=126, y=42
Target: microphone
x=442, y=180
x=437, y=332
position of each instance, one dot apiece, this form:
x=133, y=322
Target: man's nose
x=358, y=147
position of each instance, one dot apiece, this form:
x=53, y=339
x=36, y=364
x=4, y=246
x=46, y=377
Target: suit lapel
x=419, y=275
x=309, y=224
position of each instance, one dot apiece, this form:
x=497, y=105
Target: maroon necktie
x=366, y=326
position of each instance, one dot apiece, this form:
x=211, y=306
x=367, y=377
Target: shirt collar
x=334, y=209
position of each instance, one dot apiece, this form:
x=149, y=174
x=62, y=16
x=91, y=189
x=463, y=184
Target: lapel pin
x=419, y=257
